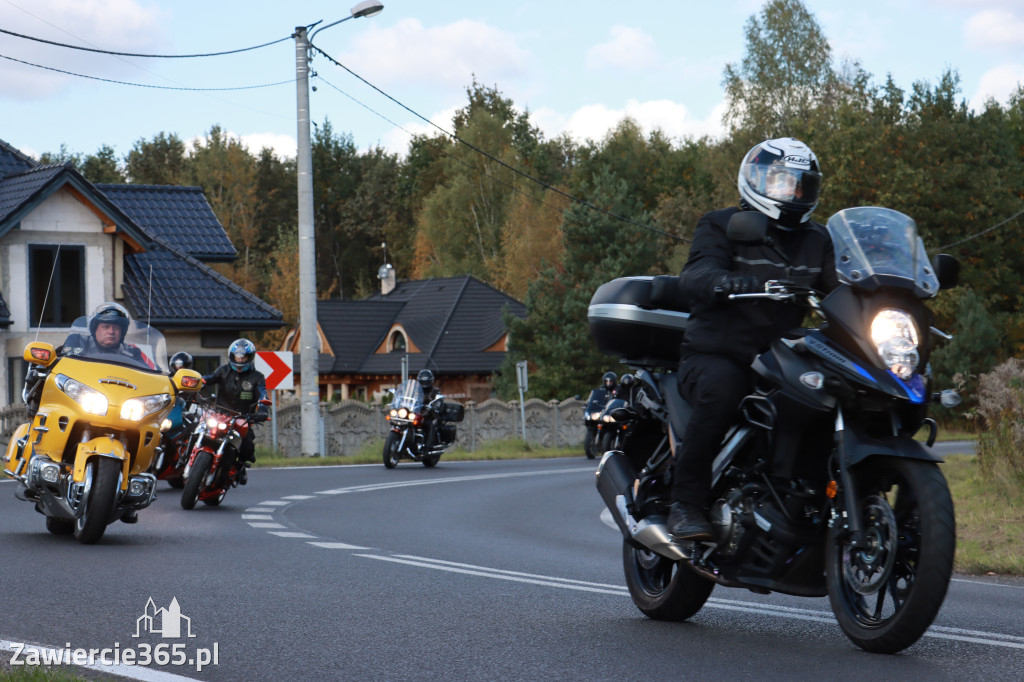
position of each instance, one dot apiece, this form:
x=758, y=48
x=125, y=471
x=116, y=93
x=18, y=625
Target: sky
x=577, y=66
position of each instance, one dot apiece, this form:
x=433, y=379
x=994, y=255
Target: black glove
x=736, y=283
x=260, y=417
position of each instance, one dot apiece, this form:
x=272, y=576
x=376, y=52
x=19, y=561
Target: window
x=396, y=344
x=16, y=370
x=56, y=276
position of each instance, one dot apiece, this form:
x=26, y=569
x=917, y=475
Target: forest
x=549, y=220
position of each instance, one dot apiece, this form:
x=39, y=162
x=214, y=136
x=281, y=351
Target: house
x=67, y=245
x=453, y=326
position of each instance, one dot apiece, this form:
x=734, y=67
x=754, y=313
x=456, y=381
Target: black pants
x=714, y=385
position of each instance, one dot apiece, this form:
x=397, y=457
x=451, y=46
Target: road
x=471, y=570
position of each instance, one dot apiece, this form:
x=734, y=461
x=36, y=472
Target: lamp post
x=310, y=337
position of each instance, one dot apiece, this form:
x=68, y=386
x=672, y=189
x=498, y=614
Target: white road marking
x=260, y=509
x=336, y=545
x=273, y=503
x=266, y=525
x=297, y=497
x=258, y=517
x=291, y=534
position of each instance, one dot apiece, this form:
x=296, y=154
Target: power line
x=515, y=170
x=139, y=54
x=979, y=234
x=145, y=85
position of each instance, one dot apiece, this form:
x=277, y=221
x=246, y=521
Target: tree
x=555, y=336
x=160, y=161
x=784, y=73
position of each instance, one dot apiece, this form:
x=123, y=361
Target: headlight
x=135, y=409
x=895, y=337
x=594, y=416
x=403, y=413
x=608, y=419
x=91, y=400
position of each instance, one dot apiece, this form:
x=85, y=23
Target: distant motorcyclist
x=430, y=391
x=241, y=388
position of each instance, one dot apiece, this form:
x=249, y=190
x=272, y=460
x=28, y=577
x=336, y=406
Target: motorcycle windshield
x=876, y=246
x=142, y=348
x=409, y=396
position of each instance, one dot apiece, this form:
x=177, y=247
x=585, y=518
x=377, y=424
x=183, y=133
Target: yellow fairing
x=64, y=431
x=13, y=458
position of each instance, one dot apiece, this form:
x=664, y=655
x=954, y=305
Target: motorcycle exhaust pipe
x=615, y=477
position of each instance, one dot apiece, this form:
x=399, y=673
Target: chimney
x=386, y=275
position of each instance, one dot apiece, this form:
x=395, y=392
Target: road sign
x=521, y=376
x=276, y=366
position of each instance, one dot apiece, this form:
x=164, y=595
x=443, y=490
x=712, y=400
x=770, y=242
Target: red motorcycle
x=208, y=476
x=176, y=444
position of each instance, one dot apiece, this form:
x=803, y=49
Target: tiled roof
x=178, y=215
x=186, y=293
x=16, y=190
x=452, y=320
x=13, y=161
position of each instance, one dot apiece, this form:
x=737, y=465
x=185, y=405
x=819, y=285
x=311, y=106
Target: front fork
x=846, y=511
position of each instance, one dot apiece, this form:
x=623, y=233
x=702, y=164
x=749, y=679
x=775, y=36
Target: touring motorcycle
x=592, y=412
x=208, y=473
x=87, y=458
x=420, y=431
x=821, y=488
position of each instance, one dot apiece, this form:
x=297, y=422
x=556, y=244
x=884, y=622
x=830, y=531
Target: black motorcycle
x=592, y=412
x=420, y=431
x=821, y=487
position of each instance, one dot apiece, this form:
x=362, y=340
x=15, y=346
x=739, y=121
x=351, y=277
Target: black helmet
x=181, y=360
x=426, y=379
x=110, y=313
x=626, y=381
x=608, y=380
x=241, y=354
x=781, y=179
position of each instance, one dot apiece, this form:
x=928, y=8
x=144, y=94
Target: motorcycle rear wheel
x=196, y=480
x=661, y=588
x=886, y=596
x=391, y=455
x=90, y=526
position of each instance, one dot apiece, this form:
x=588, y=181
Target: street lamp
x=310, y=339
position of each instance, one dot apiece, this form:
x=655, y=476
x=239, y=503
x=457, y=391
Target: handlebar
x=778, y=290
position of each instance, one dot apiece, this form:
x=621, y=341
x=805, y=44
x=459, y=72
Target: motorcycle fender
x=13, y=458
x=859, y=447
x=103, y=446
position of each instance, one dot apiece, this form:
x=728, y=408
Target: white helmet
x=781, y=179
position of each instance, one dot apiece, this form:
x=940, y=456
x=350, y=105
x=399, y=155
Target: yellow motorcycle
x=97, y=410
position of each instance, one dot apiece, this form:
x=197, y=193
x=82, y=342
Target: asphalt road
x=469, y=571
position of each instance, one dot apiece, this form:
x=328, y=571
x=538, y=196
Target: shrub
x=1000, y=403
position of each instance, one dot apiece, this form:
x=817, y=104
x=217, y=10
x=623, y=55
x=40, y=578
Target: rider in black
x=242, y=386
x=781, y=179
x=426, y=380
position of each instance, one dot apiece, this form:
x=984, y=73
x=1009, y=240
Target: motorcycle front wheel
x=661, y=588
x=391, y=455
x=886, y=594
x=590, y=441
x=196, y=480
x=99, y=501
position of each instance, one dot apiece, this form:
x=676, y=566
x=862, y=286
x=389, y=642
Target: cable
x=144, y=85
x=138, y=54
x=515, y=170
x=979, y=234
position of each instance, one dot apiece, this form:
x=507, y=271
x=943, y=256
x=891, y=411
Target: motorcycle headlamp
x=896, y=340
x=608, y=419
x=215, y=424
x=403, y=413
x=594, y=416
x=91, y=400
x=134, y=409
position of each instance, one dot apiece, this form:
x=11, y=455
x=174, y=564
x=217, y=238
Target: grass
x=989, y=518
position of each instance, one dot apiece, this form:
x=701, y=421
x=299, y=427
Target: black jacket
x=742, y=329
x=238, y=391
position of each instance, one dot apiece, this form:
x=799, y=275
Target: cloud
x=995, y=28
x=594, y=121
x=284, y=146
x=629, y=49
x=998, y=84
x=408, y=52
x=119, y=25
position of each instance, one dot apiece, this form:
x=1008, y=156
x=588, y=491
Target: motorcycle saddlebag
x=446, y=432
x=639, y=319
x=454, y=412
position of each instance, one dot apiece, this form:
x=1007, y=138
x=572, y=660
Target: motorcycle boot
x=243, y=476
x=130, y=516
x=687, y=522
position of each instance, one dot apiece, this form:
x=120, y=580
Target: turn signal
x=831, y=489
x=190, y=382
x=41, y=354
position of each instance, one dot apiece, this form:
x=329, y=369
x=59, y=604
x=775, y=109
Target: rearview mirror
x=947, y=270
x=749, y=228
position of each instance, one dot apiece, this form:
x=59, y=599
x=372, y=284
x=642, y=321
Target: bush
x=1000, y=403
